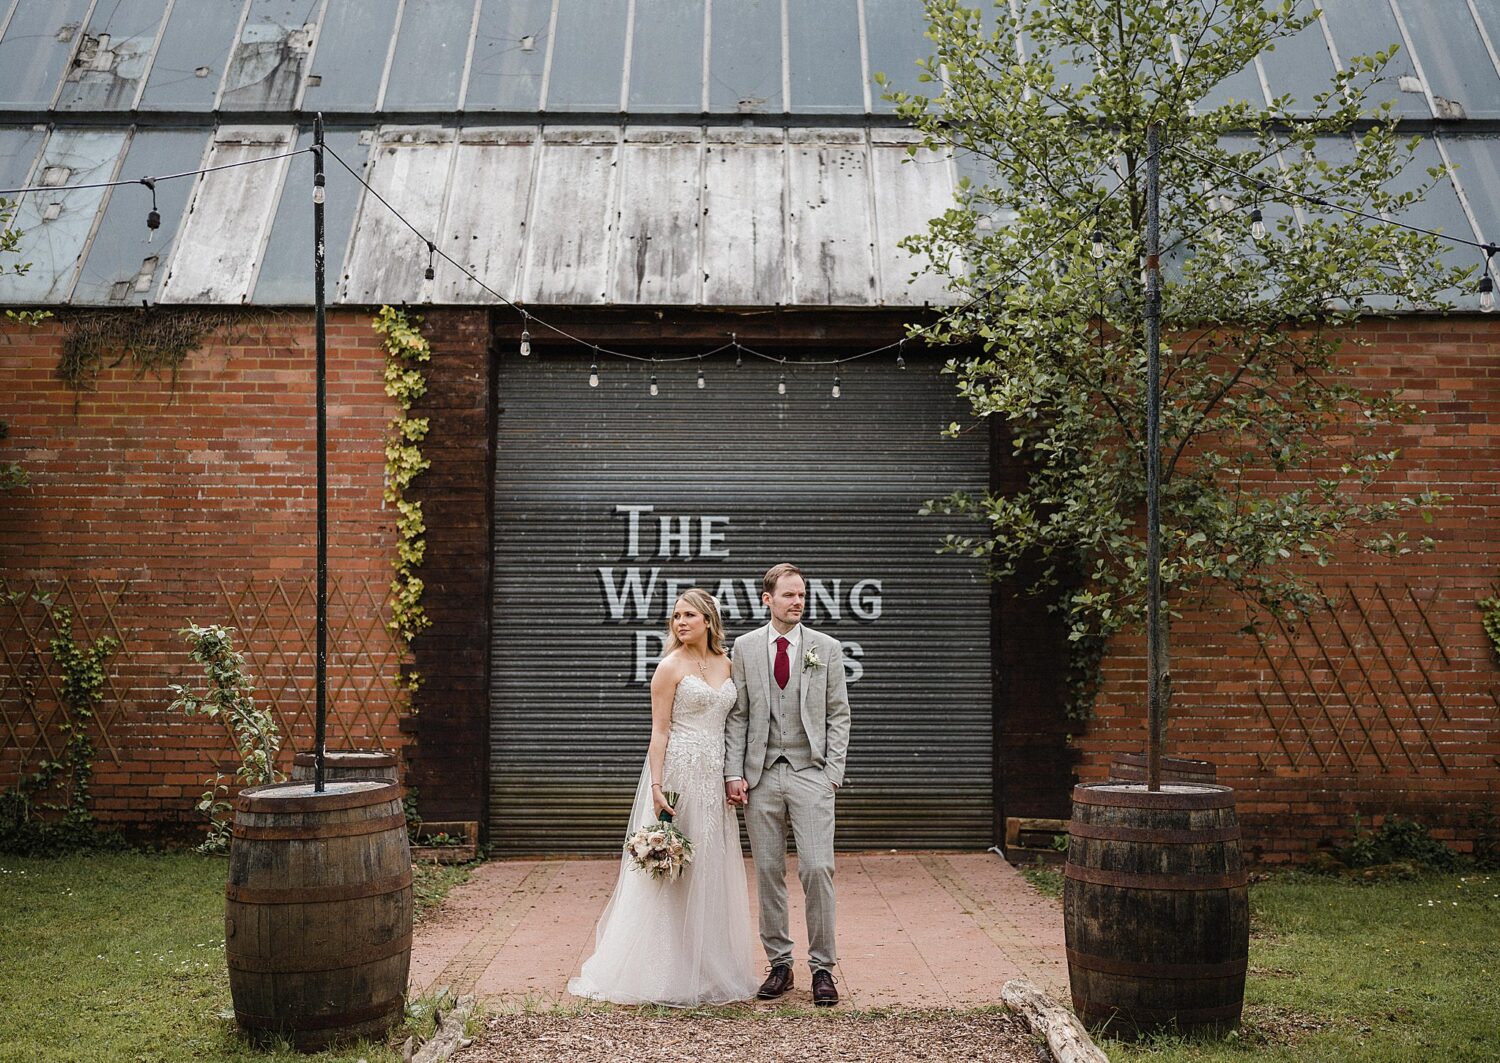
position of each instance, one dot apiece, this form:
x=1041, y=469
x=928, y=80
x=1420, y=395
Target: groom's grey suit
x=789, y=747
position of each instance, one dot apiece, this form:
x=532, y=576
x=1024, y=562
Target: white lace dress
x=686, y=941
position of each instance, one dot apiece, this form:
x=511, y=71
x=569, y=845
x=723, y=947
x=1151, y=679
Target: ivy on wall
x=1489, y=616
x=405, y=350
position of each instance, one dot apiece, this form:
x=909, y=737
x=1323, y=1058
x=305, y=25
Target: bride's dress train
x=686, y=941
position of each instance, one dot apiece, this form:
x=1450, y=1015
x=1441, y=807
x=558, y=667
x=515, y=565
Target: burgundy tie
x=783, y=666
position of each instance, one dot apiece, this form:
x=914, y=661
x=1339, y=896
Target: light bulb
x=1257, y=224
x=319, y=196
x=1097, y=245
x=1487, y=294
x=739, y=357
x=900, y=360
x=838, y=387
x=525, y=344
x=701, y=382
x=654, y=389
x=781, y=385
x=594, y=375
x=153, y=222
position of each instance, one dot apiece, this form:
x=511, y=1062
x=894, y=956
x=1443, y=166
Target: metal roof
x=581, y=152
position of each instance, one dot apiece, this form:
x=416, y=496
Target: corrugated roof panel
x=666, y=56
x=510, y=54
x=222, y=237
x=744, y=68
x=1478, y=162
x=432, y=47
x=1300, y=65
x=744, y=218
x=828, y=217
x=656, y=247
x=895, y=30
x=410, y=168
x=348, y=62
x=110, y=63
x=586, y=66
x=190, y=60
x=571, y=228
x=485, y=220
x=909, y=192
x=265, y=69
x=19, y=146
x=286, y=272
x=55, y=223
x=1360, y=27
x=824, y=57
x=125, y=259
x=1454, y=58
x=38, y=42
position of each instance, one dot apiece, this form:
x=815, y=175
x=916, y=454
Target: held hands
x=659, y=801
x=736, y=792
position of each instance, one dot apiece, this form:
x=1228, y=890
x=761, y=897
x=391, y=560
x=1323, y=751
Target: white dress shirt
x=794, y=646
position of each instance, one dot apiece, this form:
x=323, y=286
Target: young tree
x=1046, y=257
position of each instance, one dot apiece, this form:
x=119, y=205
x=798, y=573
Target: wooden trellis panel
x=1355, y=689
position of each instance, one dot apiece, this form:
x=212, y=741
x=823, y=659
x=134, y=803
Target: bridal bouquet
x=660, y=848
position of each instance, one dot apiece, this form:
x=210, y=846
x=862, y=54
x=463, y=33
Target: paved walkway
x=915, y=930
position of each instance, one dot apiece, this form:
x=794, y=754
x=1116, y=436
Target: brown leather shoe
x=823, y=993
x=776, y=983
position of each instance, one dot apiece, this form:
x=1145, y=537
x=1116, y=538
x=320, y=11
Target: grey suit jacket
x=825, y=705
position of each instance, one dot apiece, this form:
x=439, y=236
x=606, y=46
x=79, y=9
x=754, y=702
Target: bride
x=686, y=941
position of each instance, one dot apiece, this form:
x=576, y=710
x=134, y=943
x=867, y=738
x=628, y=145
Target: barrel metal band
x=1204, y=795
x=334, y=960
x=349, y=1017
x=1131, y=969
x=271, y=798
x=318, y=894
x=1172, y=835
x=351, y=829
x=1147, y=881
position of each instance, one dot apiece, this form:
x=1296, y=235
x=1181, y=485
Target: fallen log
x=1067, y=1040
x=449, y=1035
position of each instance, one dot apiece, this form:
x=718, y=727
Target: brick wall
x=153, y=504
x=1388, y=702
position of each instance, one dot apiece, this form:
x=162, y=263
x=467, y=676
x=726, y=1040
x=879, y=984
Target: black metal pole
x=322, y=332
x=1155, y=721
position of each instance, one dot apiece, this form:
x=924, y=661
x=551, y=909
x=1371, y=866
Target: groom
x=784, y=744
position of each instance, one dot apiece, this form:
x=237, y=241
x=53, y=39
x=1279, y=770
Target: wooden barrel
x=1155, y=910
x=344, y=764
x=1131, y=767
x=317, y=924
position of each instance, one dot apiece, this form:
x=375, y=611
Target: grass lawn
x=119, y=957
x=1393, y=971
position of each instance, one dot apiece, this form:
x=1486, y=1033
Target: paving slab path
x=916, y=930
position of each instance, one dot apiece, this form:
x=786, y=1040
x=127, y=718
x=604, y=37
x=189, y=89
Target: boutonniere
x=810, y=659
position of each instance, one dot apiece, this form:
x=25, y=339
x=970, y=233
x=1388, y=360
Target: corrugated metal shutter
x=606, y=499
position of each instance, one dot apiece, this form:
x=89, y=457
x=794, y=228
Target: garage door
x=609, y=500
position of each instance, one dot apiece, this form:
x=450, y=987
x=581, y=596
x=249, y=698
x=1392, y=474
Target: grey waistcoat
x=788, y=737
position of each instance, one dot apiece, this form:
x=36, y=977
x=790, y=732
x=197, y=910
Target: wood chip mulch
x=601, y=1036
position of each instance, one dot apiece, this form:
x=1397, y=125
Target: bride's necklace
x=702, y=663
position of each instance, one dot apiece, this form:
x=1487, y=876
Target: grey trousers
x=804, y=800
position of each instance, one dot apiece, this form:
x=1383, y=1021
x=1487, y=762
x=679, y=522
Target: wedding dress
x=683, y=941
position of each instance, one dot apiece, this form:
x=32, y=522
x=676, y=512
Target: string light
x=739, y=355
x=320, y=194
x=525, y=335
x=1486, y=293
x=655, y=391
x=1096, y=245
x=594, y=370
x=1257, y=224
x=838, y=386
x=701, y=382
x=153, y=216
x=429, y=274
x=900, y=357
x=781, y=383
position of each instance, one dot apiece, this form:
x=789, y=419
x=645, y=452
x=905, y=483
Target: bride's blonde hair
x=704, y=602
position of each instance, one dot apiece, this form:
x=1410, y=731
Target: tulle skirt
x=684, y=941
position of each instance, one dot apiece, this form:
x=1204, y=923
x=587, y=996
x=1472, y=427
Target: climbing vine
x=405, y=349
x=1489, y=616
x=28, y=824
x=230, y=697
